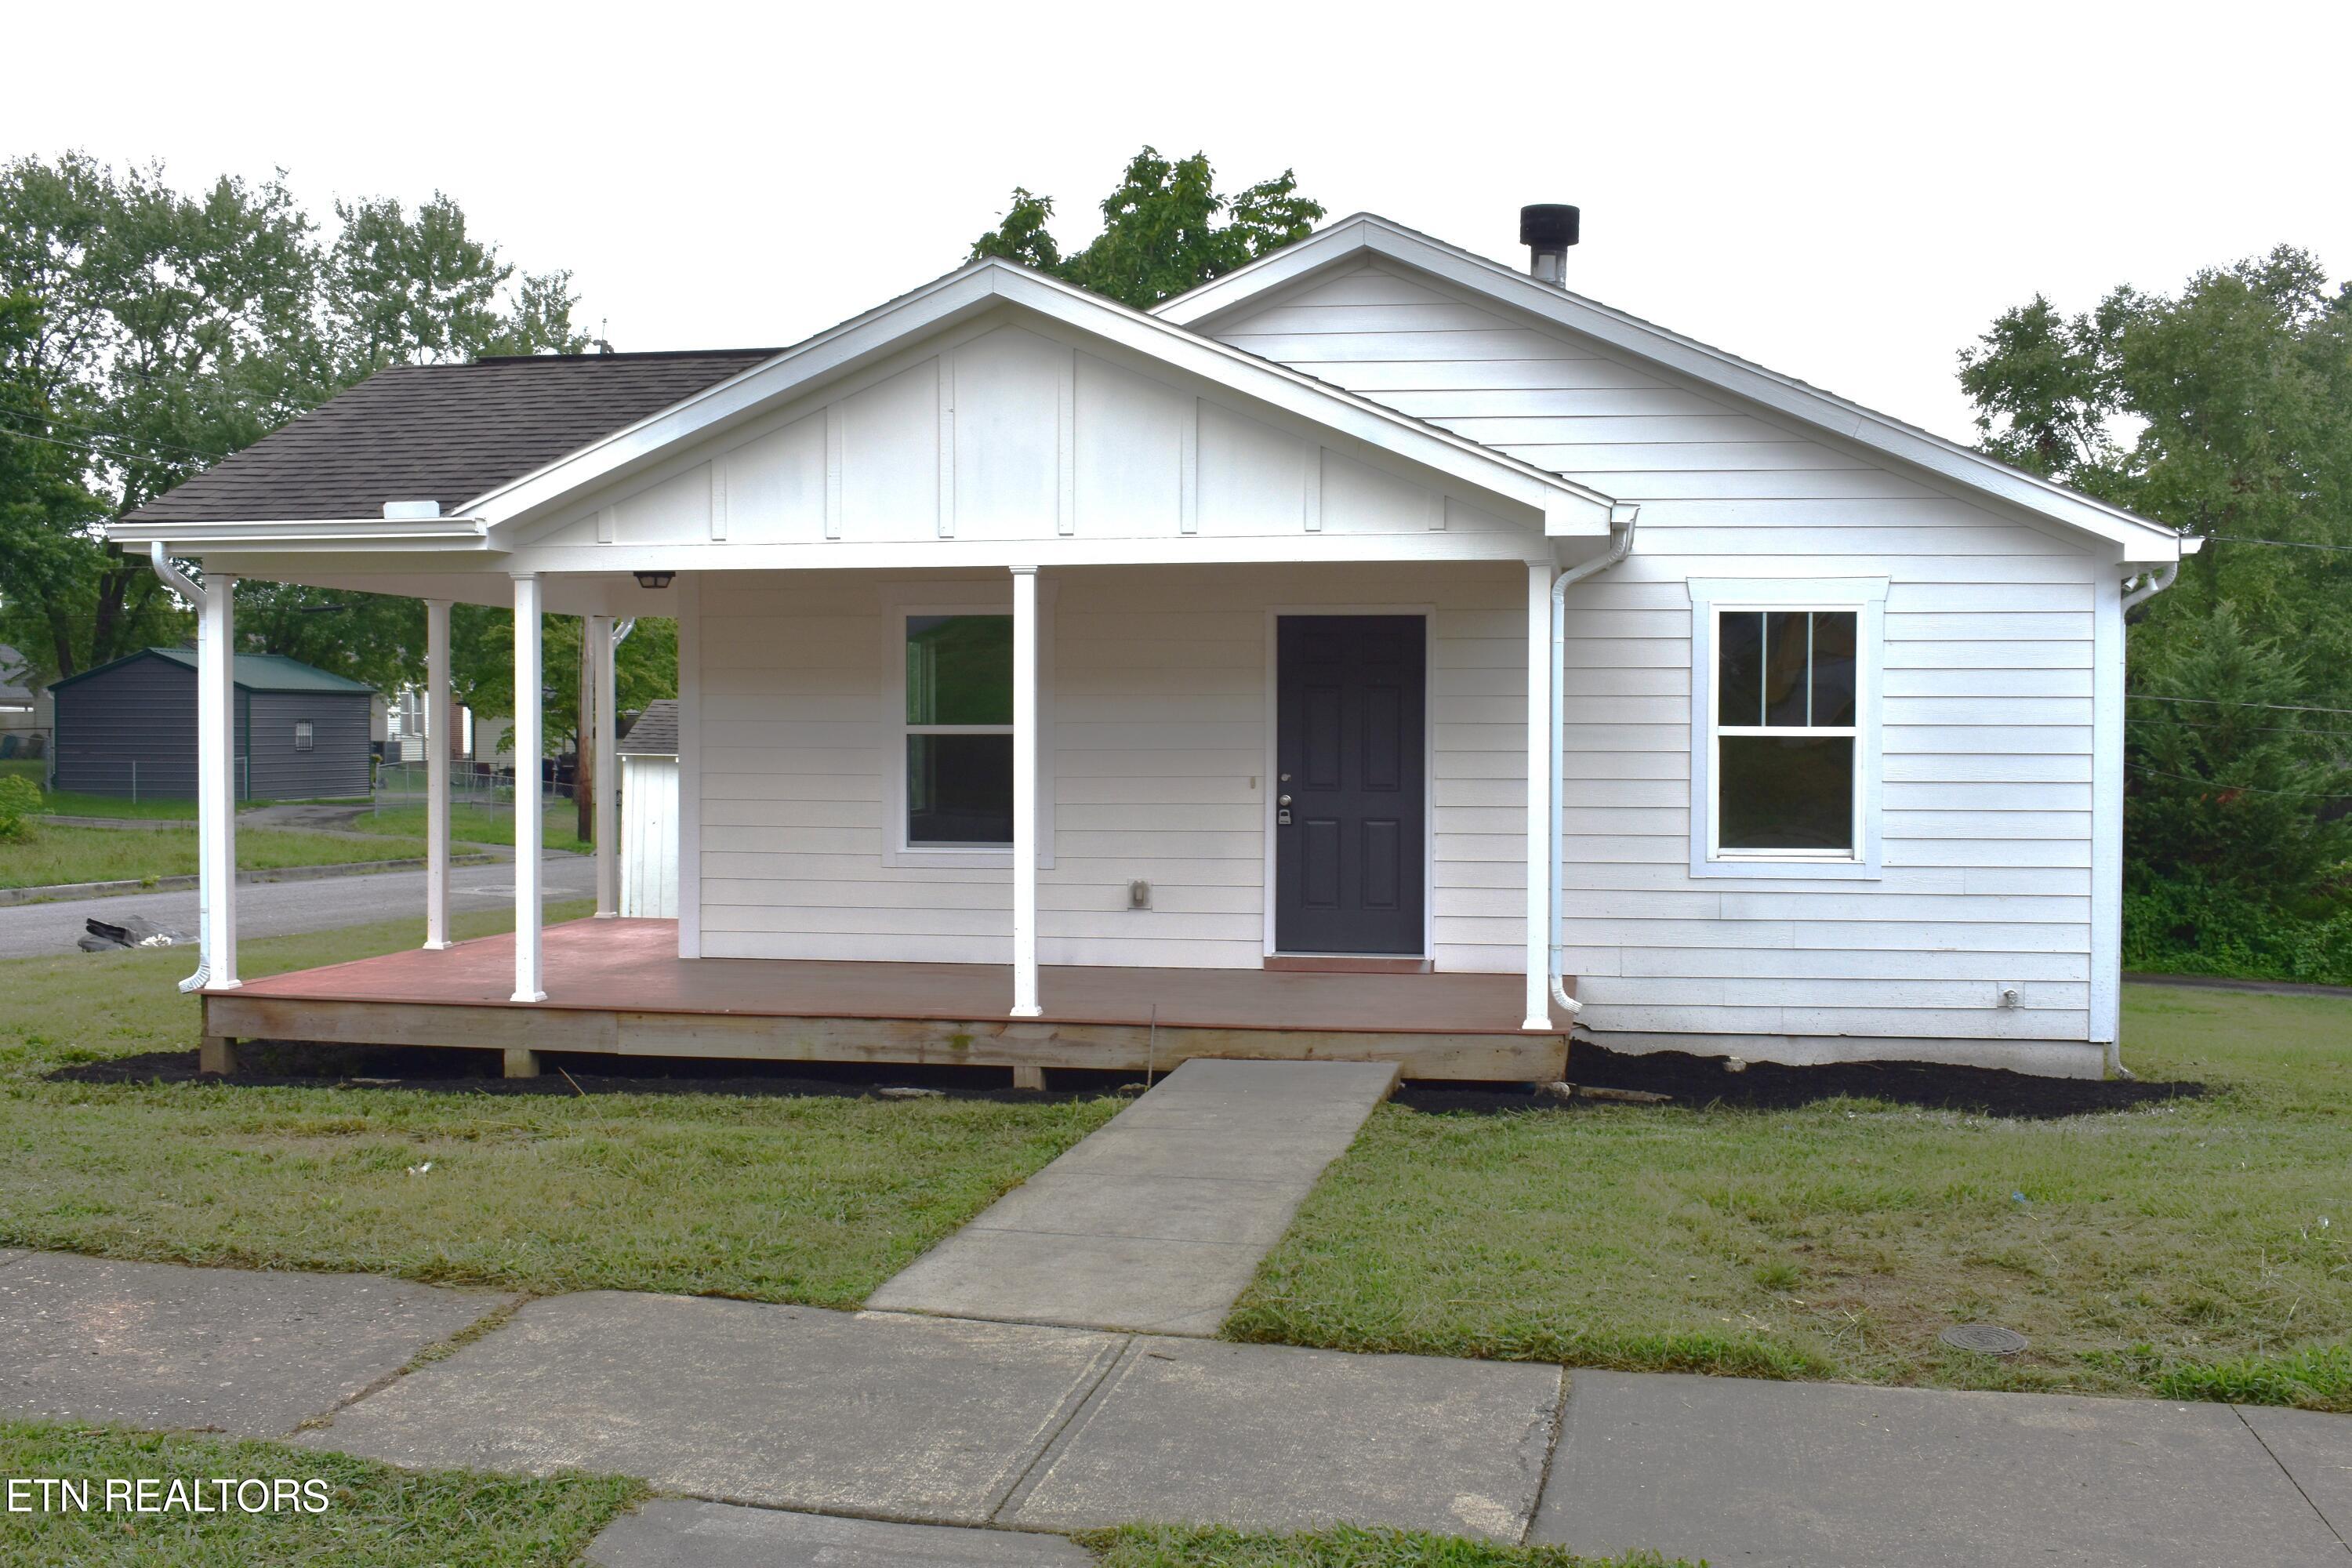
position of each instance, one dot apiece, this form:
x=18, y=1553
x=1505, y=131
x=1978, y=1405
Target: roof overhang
x=2138, y=539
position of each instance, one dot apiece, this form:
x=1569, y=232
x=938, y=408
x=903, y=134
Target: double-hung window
x=958, y=740
x=1785, y=732
x=1784, y=742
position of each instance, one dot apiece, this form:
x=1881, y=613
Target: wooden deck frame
x=616, y=988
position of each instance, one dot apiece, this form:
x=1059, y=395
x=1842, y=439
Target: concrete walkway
x=1157, y=1220
x=849, y=1418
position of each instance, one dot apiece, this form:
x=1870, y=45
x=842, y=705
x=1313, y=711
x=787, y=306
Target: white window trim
x=1866, y=596
x=958, y=598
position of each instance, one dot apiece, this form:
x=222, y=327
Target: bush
x=20, y=802
x=2196, y=928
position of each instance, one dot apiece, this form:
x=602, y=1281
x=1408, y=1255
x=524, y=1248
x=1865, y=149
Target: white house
x=1376, y=611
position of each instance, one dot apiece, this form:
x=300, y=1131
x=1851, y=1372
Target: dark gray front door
x=1350, y=711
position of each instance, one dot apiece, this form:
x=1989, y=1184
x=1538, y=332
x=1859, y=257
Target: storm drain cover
x=1987, y=1338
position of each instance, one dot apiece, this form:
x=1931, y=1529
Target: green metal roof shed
x=129, y=727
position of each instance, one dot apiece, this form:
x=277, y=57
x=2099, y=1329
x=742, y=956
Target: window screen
x=302, y=735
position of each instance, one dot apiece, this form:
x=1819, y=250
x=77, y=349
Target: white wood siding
x=1159, y=738
x=1987, y=691
x=1002, y=432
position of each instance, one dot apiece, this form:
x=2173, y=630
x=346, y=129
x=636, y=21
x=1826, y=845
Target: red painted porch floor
x=632, y=966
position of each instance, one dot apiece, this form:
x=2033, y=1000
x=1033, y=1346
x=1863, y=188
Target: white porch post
x=437, y=731
x=527, y=603
x=1025, y=793
x=600, y=652
x=216, y=769
x=1541, y=783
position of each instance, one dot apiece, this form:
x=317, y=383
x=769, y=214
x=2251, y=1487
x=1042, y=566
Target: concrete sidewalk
x=1157, y=1220
x=1015, y=1428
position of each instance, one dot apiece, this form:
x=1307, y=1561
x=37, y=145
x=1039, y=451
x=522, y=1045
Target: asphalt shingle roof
x=655, y=734
x=445, y=433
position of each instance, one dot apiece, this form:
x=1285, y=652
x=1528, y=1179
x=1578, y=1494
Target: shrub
x=20, y=802
x=2192, y=927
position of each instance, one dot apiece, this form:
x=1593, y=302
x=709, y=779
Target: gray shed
x=129, y=727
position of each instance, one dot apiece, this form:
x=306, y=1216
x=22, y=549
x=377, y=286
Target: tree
x=1161, y=234
x=164, y=331
x=2225, y=410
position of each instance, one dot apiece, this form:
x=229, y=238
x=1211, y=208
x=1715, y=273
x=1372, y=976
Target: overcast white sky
x=1846, y=194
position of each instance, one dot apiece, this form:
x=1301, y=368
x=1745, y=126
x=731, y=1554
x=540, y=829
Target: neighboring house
x=406, y=721
x=24, y=709
x=648, y=847
x=1019, y=629
x=129, y=729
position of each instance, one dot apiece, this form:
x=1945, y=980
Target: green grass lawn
x=375, y=1514
x=480, y=823
x=815, y=1199
x=52, y=854
x=2193, y=1248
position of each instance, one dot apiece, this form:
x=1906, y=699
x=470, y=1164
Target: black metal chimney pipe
x=1547, y=230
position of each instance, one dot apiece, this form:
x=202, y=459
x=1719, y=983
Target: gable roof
x=443, y=432
x=1568, y=507
x=1368, y=233
x=655, y=734
x=252, y=672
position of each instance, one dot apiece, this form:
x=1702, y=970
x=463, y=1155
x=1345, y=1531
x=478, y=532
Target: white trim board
x=1867, y=598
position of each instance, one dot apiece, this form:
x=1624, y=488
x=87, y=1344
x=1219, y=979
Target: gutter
x=2139, y=589
x=1623, y=516
x=180, y=583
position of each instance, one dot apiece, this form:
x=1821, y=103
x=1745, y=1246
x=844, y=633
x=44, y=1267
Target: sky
x=1848, y=195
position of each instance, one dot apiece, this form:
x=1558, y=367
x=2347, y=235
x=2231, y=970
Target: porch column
x=437, y=731
x=600, y=652
x=1025, y=793
x=528, y=599
x=1541, y=783
x=216, y=773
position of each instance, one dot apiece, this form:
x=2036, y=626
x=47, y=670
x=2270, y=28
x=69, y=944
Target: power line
x=2224, y=702
x=53, y=422
x=2241, y=789
x=74, y=445
x=2283, y=543
x=2260, y=729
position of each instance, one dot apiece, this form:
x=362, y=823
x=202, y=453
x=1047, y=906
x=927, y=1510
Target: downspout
x=2149, y=588
x=1622, y=519
x=180, y=583
x=2139, y=589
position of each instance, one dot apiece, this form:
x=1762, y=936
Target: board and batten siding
x=1987, y=687
x=1157, y=695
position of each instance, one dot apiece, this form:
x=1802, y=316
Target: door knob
x=1284, y=801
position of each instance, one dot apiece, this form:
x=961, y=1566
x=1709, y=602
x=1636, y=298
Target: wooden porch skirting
x=618, y=987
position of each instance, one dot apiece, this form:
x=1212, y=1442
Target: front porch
x=618, y=987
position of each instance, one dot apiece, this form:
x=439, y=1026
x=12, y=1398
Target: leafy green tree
x=164, y=331
x=1161, y=232
x=2225, y=410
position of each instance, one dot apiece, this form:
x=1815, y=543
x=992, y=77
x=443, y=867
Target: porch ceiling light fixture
x=655, y=579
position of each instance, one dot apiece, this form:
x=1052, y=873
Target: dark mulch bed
x=291, y=1064
x=1694, y=1081
x=1765, y=1086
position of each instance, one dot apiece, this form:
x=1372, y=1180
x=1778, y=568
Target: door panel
x=1350, y=721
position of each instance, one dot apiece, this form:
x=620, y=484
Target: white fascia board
x=1566, y=506
x=2140, y=538
x=368, y=533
